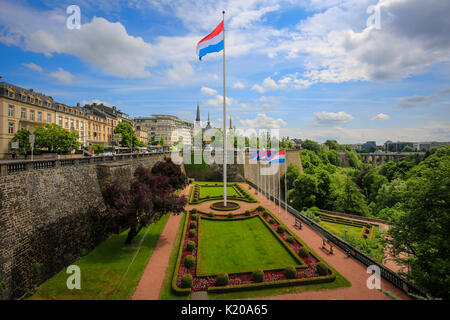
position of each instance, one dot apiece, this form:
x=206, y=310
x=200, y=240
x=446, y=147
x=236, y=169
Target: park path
x=152, y=279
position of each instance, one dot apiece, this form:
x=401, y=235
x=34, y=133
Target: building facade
x=171, y=129
x=24, y=108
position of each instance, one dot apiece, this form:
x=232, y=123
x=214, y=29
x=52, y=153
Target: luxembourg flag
x=211, y=43
x=278, y=157
x=265, y=156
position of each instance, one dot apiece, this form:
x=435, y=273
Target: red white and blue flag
x=278, y=157
x=264, y=155
x=211, y=43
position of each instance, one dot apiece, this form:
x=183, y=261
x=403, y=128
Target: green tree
x=311, y=145
x=407, y=149
x=371, y=183
x=332, y=144
x=22, y=137
x=347, y=197
x=303, y=195
x=419, y=235
x=55, y=138
x=129, y=137
x=293, y=172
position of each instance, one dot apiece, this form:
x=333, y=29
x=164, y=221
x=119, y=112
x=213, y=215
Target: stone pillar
x=3, y=169
x=381, y=160
x=374, y=161
x=396, y=158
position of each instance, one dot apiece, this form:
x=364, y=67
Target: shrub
x=191, y=233
x=210, y=214
x=281, y=229
x=190, y=246
x=189, y=261
x=260, y=208
x=258, y=276
x=194, y=210
x=271, y=221
x=222, y=279
x=194, y=217
x=290, y=239
x=247, y=213
x=321, y=269
x=186, y=281
x=193, y=225
x=265, y=213
x=290, y=272
x=303, y=253
x=84, y=252
x=230, y=215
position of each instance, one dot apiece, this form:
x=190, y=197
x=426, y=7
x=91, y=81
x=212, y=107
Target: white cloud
x=208, y=91
x=218, y=101
x=381, y=117
x=268, y=85
x=245, y=106
x=331, y=118
x=84, y=102
x=238, y=85
x=34, y=67
x=62, y=75
x=264, y=122
x=180, y=72
x=418, y=101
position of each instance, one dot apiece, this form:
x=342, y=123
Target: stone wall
x=49, y=216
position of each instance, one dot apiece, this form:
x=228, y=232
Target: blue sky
x=314, y=69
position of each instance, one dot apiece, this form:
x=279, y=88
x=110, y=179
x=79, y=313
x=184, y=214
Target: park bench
x=298, y=224
x=326, y=242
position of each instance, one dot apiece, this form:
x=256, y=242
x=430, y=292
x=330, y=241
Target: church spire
x=197, y=119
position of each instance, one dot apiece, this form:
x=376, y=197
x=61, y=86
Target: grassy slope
x=338, y=229
x=103, y=268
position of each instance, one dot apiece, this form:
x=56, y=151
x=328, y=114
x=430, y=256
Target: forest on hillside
x=411, y=195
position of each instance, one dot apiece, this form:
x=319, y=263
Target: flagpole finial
x=223, y=12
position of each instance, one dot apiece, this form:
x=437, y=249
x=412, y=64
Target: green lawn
x=104, y=273
x=240, y=245
x=217, y=191
x=338, y=228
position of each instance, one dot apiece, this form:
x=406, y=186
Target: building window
x=71, y=125
x=23, y=113
x=49, y=118
x=40, y=116
x=28, y=99
x=32, y=115
x=60, y=121
x=11, y=111
x=66, y=124
x=11, y=94
x=11, y=128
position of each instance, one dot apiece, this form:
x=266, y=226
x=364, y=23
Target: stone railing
x=16, y=166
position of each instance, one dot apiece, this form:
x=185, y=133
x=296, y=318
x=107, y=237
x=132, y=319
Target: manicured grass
x=239, y=245
x=338, y=228
x=104, y=270
x=217, y=192
x=166, y=290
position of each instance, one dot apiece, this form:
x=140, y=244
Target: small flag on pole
x=278, y=157
x=211, y=43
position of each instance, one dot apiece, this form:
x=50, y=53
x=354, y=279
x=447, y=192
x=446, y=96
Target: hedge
x=272, y=284
x=175, y=288
x=222, y=279
x=224, y=209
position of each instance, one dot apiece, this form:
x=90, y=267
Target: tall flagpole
x=279, y=189
x=285, y=184
x=224, y=122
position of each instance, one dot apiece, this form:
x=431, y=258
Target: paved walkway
x=151, y=282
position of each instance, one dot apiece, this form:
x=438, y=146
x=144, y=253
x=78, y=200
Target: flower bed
x=305, y=270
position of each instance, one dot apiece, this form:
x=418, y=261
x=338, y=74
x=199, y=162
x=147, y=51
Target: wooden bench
x=298, y=224
x=326, y=242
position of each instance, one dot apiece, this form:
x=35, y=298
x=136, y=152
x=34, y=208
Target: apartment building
x=171, y=129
